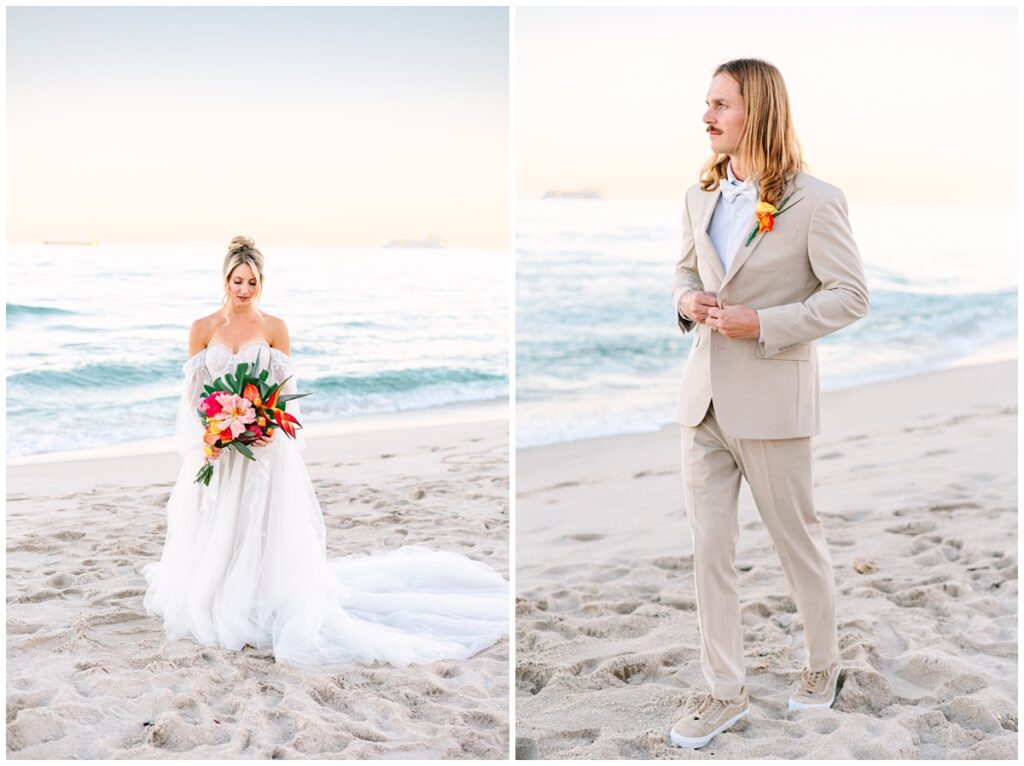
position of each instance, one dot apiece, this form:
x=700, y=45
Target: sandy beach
x=916, y=485
x=90, y=675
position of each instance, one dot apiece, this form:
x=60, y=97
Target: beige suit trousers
x=779, y=473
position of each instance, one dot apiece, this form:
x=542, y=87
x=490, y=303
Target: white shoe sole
x=794, y=705
x=694, y=742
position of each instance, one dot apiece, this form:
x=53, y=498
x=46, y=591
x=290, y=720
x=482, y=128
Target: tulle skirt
x=244, y=562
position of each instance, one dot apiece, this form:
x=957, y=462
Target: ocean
x=97, y=335
x=598, y=351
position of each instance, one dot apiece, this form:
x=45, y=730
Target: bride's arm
x=279, y=338
x=196, y=377
x=188, y=429
x=198, y=337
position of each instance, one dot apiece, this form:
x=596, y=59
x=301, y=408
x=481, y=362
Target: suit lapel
x=743, y=254
x=711, y=200
x=745, y=251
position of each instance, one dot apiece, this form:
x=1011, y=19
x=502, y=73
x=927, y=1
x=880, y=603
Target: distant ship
x=588, y=193
x=89, y=242
x=426, y=242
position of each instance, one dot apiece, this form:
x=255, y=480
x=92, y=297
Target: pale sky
x=893, y=105
x=309, y=126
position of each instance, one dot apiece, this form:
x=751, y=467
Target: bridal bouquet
x=241, y=408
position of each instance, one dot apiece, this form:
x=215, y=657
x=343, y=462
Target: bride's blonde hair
x=242, y=250
x=768, y=144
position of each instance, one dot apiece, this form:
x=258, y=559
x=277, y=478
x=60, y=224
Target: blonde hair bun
x=238, y=244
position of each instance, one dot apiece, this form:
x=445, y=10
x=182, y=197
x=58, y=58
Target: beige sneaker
x=817, y=688
x=709, y=718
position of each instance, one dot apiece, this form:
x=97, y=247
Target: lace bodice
x=219, y=359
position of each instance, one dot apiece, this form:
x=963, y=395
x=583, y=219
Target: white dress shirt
x=733, y=220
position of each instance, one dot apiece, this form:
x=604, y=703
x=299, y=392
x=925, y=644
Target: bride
x=244, y=559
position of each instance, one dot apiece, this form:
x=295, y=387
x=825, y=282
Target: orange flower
x=251, y=393
x=765, y=213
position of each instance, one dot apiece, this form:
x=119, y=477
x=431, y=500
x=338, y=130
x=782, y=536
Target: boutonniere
x=766, y=213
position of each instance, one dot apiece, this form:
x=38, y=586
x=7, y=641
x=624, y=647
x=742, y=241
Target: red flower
x=210, y=406
x=286, y=421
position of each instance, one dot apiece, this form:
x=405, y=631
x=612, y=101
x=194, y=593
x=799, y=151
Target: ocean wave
x=16, y=311
x=94, y=375
x=397, y=381
x=360, y=324
x=71, y=328
x=350, y=404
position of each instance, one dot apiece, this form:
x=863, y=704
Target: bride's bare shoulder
x=210, y=321
x=201, y=331
x=277, y=333
x=270, y=319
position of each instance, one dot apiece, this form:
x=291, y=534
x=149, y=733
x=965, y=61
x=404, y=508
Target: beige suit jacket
x=805, y=279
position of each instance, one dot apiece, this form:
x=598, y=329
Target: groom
x=768, y=266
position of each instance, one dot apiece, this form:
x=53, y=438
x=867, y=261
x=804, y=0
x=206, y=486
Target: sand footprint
x=526, y=749
x=68, y=535
x=531, y=678
x=21, y=627
x=27, y=700
x=971, y=713
x=480, y=720
x=674, y=563
x=630, y=670
x=911, y=528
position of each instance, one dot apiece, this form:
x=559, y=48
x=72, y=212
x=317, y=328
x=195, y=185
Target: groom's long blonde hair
x=768, y=143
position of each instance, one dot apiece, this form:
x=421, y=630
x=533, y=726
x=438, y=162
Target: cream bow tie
x=731, y=190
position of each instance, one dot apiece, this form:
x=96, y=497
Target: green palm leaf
x=243, y=449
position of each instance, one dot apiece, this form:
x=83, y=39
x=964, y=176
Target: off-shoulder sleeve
x=188, y=430
x=281, y=368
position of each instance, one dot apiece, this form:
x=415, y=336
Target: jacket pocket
x=784, y=233
x=799, y=352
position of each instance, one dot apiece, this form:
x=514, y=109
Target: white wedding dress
x=244, y=560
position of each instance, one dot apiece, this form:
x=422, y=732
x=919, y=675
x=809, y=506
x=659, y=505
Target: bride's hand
x=268, y=436
x=214, y=456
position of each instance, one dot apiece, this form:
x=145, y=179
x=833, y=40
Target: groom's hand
x=735, y=321
x=695, y=304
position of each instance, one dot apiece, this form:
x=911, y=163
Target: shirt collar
x=734, y=180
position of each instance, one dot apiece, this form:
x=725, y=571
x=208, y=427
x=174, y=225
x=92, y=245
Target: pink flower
x=210, y=406
x=233, y=415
